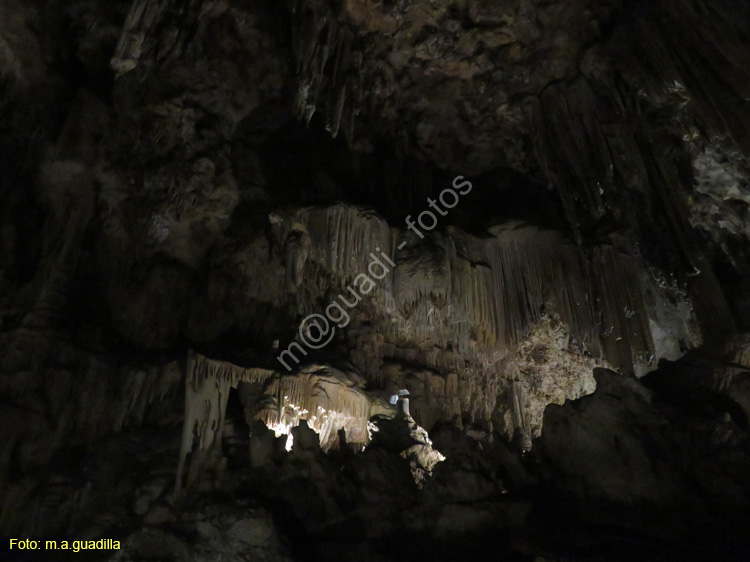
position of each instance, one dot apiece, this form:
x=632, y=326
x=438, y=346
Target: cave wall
x=205, y=174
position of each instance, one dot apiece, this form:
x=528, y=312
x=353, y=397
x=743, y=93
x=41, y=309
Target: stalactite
x=328, y=399
x=337, y=111
x=142, y=16
x=205, y=406
x=624, y=316
x=323, y=53
x=452, y=405
x=204, y=368
x=338, y=89
x=340, y=240
x=455, y=300
x=661, y=58
x=519, y=397
x=518, y=273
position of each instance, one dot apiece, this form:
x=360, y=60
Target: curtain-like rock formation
x=205, y=174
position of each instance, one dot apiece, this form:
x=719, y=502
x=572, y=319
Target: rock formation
x=232, y=230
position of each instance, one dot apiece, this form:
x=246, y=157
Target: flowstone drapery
x=327, y=398
x=462, y=320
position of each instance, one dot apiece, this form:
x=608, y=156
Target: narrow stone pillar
x=403, y=406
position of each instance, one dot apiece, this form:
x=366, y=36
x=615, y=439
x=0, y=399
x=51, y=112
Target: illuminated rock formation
x=184, y=183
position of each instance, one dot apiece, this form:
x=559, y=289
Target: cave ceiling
x=183, y=183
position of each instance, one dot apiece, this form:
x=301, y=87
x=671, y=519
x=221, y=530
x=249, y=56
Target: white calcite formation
x=327, y=398
x=461, y=321
x=485, y=330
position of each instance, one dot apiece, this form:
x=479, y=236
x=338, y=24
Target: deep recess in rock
x=184, y=182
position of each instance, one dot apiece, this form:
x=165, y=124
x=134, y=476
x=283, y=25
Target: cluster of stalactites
x=326, y=402
x=465, y=293
x=338, y=240
x=204, y=369
x=140, y=31
x=520, y=273
x=327, y=399
x=326, y=66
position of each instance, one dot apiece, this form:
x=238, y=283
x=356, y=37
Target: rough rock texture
x=641, y=469
x=404, y=436
x=217, y=534
x=194, y=178
x=663, y=449
x=54, y=418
